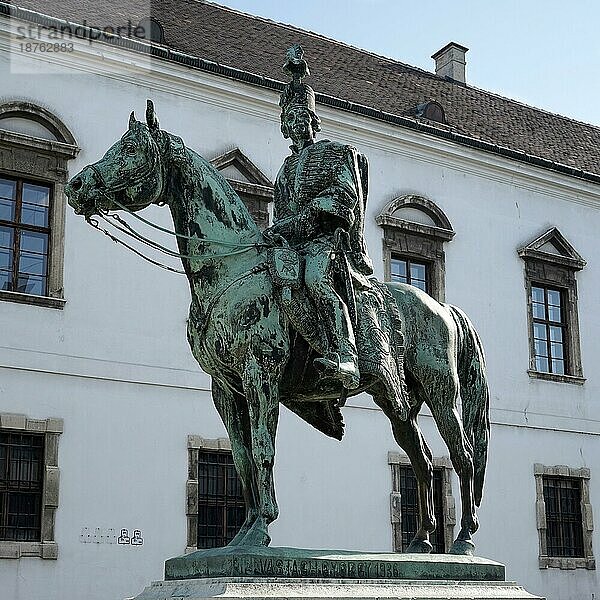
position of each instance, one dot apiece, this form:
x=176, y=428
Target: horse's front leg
x=261, y=383
x=234, y=413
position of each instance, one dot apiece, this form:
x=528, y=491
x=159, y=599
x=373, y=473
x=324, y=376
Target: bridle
x=134, y=178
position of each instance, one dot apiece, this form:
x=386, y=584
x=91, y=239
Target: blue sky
x=545, y=53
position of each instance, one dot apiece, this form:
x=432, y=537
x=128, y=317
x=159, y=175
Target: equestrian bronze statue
x=294, y=315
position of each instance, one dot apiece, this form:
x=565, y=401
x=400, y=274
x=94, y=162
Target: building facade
x=112, y=456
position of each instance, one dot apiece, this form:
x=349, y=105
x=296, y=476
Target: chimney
x=450, y=62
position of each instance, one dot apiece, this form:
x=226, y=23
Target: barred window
x=406, y=270
x=21, y=486
x=409, y=503
x=564, y=533
x=405, y=508
x=24, y=236
x=221, y=506
x=564, y=516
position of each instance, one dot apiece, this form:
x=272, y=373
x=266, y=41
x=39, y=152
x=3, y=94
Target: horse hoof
x=420, y=547
x=463, y=547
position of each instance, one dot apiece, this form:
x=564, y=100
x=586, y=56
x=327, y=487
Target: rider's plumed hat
x=296, y=93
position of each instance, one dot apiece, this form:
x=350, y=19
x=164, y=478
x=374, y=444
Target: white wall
x=114, y=364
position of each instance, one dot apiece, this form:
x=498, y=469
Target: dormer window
x=432, y=111
x=150, y=29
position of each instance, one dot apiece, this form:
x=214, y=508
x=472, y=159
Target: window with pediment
x=250, y=183
x=414, y=232
x=551, y=265
x=35, y=148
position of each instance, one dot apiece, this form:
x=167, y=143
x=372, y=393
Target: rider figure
x=319, y=199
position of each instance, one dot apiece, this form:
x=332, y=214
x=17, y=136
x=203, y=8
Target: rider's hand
x=271, y=236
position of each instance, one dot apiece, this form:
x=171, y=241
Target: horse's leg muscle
x=234, y=413
x=443, y=405
x=409, y=438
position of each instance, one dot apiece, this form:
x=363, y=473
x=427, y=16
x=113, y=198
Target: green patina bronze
x=292, y=563
x=294, y=315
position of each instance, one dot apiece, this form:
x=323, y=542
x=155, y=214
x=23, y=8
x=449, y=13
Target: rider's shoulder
x=333, y=146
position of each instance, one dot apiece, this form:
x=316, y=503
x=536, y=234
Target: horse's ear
x=151, y=119
x=131, y=119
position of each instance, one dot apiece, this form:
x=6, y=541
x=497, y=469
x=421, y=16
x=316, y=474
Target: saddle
x=377, y=329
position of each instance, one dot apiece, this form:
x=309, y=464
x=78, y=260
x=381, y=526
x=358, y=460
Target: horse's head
x=130, y=174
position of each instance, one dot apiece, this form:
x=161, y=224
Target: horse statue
x=242, y=338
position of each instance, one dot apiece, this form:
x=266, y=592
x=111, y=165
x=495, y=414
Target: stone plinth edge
x=297, y=563
x=340, y=589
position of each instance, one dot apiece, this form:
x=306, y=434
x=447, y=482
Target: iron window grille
x=409, y=506
x=21, y=486
x=221, y=505
x=564, y=533
x=24, y=235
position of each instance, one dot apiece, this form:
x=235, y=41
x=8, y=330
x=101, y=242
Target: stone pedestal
x=260, y=572
x=246, y=588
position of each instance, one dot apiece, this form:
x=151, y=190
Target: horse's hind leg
x=443, y=406
x=234, y=413
x=409, y=438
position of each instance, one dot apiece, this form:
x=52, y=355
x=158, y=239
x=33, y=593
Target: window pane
x=34, y=264
x=32, y=214
x=554, y=297
x=31, y=284
x=539, y=311
x=554, y=313
x=556, y=350
x=537, y=294
x=556, y=334
x=419, y=284
x=36, y=194
x=541, y=348
x=539, y=331
x=541, y=364
x=8, y=189
x=399, y=267
x=417, y=271
x=558, y=366
x=6, y=258
x=34, y=242
x=7, y=210
x=5, y=280
x=6, y=237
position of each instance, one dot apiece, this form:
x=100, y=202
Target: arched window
x=415, y=230
x=35, y=147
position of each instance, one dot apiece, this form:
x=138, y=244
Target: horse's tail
x=474, y=394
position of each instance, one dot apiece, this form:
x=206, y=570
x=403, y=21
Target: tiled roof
x=257, y=45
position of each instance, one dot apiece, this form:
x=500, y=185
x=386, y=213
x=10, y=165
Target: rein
x=128, y=230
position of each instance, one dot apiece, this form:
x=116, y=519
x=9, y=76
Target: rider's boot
x=341, y=362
